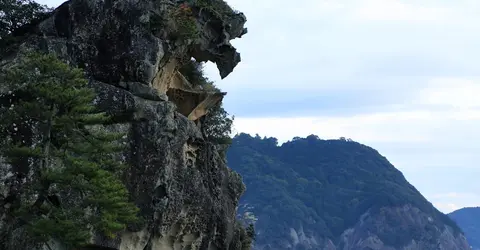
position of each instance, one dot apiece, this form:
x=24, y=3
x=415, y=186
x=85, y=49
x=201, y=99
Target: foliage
x=185, y=21
x=251, y=232
x=219, y=7
x=249, y=237
x=193, y=72
x=323, y=185
x=52, y=130
x=469, y=220
x=15, y=14
x=244, y=236
x=217, y=123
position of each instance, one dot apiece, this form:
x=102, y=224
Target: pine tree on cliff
x=76, y=188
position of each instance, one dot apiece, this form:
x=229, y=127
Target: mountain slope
x=469, y=220
x=334, y=194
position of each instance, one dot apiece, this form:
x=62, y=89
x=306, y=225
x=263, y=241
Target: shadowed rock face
x=187, y=195
x=220, y=51
x=127, y=40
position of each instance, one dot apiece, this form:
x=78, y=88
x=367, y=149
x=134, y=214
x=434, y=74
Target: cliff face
x=131, y=51
x=333, y=194
x=382, y=229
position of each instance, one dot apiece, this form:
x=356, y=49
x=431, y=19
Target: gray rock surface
x=378, y=231
x=187, y=194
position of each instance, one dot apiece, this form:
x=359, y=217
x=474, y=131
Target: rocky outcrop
x=183, y=186
x=131, y=51
x=190, y=101
x=380, y=230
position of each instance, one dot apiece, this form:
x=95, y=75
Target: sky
x=401, y=76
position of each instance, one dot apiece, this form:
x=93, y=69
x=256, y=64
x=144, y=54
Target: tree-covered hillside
x=323, y=186
x=469, y=220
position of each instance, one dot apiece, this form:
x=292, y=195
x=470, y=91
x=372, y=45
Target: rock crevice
x=186, y=194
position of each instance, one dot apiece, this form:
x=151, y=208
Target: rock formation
x=130, y=51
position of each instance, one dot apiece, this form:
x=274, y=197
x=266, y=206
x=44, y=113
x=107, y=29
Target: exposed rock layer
x=371, y=231
x=187, y=194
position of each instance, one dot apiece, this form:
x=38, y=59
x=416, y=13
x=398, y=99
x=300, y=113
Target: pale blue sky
x=401, y=76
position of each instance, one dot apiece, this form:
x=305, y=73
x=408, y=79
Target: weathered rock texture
x=378, y=231
x=187, y=194
x=372, y=228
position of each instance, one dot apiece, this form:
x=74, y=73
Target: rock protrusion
x=128, y=50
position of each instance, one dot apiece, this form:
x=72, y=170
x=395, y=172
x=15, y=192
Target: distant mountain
x=334, y=194
x=469, y=221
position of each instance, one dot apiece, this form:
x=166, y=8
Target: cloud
x=455, y=195
x=446, y=207
x=449, y=202
x=451, y=92
x=405, y=126
x=396, y=10
x=444, y=109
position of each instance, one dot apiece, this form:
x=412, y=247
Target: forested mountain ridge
x=468, y=219
x=333, y=194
